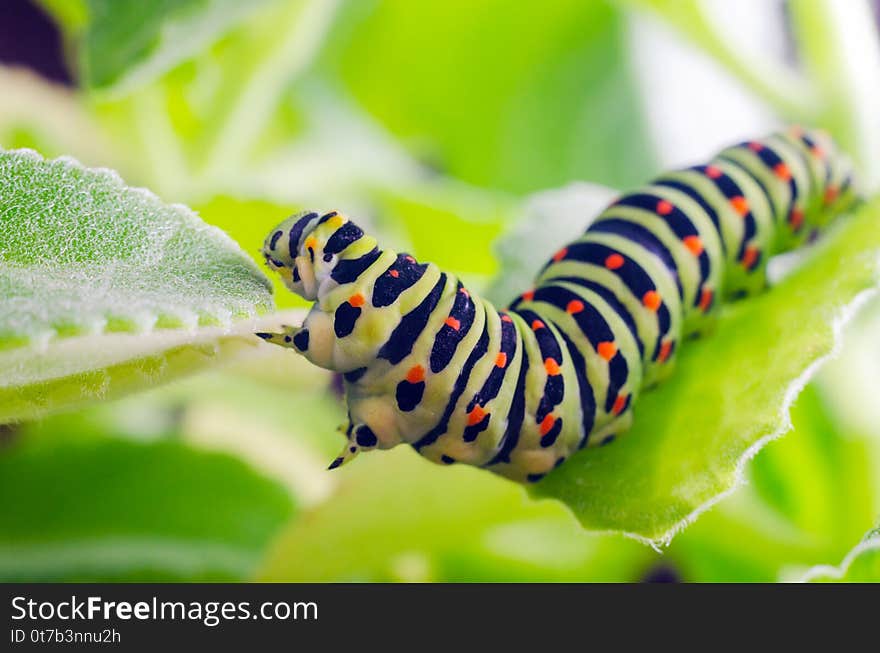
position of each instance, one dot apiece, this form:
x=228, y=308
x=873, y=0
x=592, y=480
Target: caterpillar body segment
x=428, y=363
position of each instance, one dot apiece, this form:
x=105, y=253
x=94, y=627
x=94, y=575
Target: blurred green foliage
x=98, y=507
x=401, y=518
x=149, y=35
x=498, y=97
x=432, y=123
x=861, y=565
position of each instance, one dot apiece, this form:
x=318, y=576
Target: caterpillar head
x=305, y=248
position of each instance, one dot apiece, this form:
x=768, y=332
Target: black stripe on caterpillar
x=517, y=391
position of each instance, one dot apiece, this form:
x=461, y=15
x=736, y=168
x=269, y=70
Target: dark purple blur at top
x=29, y=38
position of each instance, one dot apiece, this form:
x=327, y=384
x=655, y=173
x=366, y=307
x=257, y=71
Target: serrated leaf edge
x=191, y=219
x=838, y=324
x=210, y=343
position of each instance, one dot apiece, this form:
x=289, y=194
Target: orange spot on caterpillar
x=311, y=242
x=476, y=416
x=750, y=256
x=740, y=204
x=416, y=374
x=464, y=292
x=537, y=324
x=558, y=256
x=713, y=172
x=356, y=300
x=506, y=318
x=796, y=218
x=528, y=295
x=574, y=306
x=394, y=273
x=665, y=350
x=619, y=403
x=664, y=207
x=547, y=424
x=831, y=194
x=706, y=299
x=409, y=259
x=606, y=350
x=652, y=300
x=501, y=360
x=796, y=130
x=694, y=244
x=453, y=323
x=781, y=170
x=818, y=152
x=755, y=146
x=551, y=366
x=614, y=261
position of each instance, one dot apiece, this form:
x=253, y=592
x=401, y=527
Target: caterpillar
x=518, y=391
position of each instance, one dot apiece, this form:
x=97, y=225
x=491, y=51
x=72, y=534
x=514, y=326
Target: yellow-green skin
x=518, y=391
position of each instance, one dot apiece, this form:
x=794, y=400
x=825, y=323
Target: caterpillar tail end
x=348, y=453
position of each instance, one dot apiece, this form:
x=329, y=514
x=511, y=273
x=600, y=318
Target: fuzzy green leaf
x=102, y=509
x=730, y=394
x=104, y=287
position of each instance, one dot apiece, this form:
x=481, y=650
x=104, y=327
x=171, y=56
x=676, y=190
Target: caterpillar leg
x=314, y=339
x=360, y=438
x=705, y=328
x=348, y=453
x=291, y=337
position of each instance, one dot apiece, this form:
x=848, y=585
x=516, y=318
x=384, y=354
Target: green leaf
x=134, y=41
x=730, y=395
x=861, y=565
x=808, y=497
x=102, y=509
x=220, y=119
x=397, y=517
x=498, y=97
x=105, y=288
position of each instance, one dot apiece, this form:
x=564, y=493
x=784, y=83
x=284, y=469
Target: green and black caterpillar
x=518, y=391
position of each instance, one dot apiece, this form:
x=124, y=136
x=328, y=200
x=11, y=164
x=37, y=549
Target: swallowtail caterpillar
x=517, y=391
